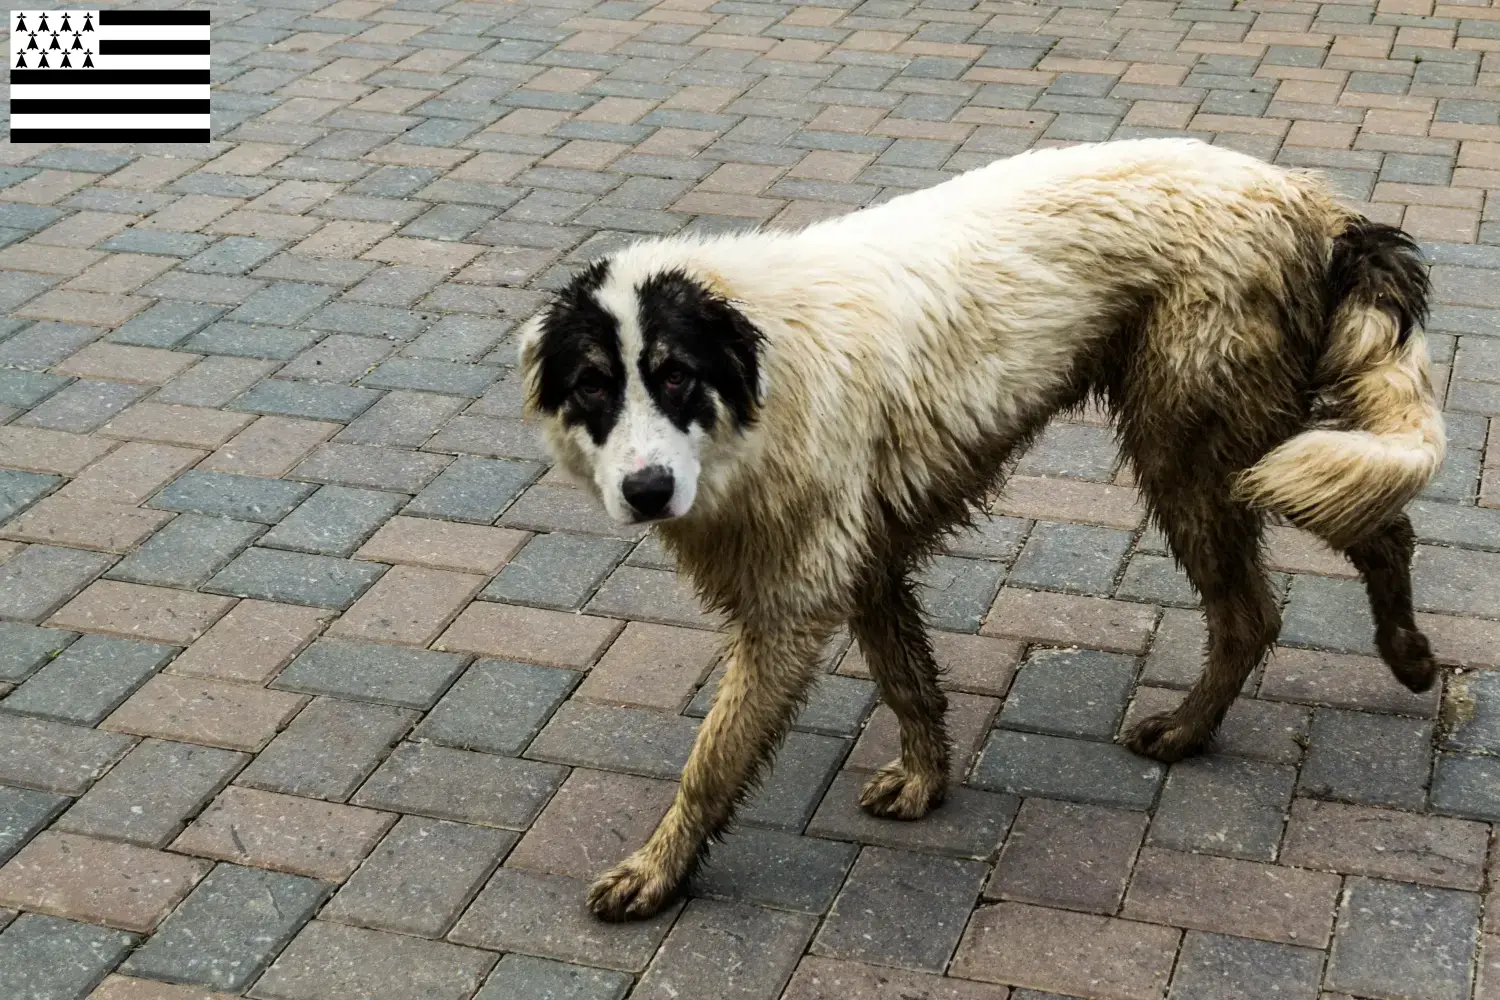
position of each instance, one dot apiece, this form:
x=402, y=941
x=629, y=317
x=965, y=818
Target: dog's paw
x=1160, y=737
x=894, y=794
x=632, y=890
x=1409, y=655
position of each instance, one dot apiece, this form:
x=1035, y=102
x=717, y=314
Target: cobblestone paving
x=318, y=686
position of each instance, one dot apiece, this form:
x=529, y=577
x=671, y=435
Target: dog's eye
x=674, y=377
x=590, y=385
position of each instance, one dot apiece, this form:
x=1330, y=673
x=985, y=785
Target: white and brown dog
x=803, y=416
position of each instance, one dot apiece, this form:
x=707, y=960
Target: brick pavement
x=317, y=685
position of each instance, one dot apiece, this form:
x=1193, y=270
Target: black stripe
x=96, y=107
x=109, y=77
x=153, y=17
x=109, y=135
x=153, y=47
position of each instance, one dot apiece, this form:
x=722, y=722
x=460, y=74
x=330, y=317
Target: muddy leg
x=1384, y=560
x=766, y=679
x=891, y=634
x=1218, y=545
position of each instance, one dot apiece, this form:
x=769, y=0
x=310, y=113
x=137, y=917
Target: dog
x=803, y=417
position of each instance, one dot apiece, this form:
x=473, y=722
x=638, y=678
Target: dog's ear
x=527, y=340
x=742, y=341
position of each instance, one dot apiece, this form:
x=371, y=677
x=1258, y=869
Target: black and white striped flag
x=109, y=76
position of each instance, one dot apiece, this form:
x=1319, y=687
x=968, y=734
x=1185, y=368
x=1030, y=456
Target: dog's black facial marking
x=695, y=344
x=582, y=375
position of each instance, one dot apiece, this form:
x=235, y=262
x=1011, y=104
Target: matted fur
x=905, y=354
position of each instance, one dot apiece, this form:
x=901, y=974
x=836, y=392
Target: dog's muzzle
x=649, y=491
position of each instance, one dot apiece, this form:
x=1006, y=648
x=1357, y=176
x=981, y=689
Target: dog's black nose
x=649, y=491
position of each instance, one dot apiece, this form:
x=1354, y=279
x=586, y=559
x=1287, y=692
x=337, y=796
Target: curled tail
x=1383, y=439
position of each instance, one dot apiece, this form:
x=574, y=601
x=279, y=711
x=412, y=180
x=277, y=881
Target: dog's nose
x=649, y=490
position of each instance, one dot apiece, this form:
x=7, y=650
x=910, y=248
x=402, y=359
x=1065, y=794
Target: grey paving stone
x=229, y=928
x=729, y=950
x=334, y=521
x=36, y=581
x=1222, y=805
x=542, y=979
x=461, y=785
x=458, y=338
x=24, y=648
x=1377, y=760
x=334, y=960
x=1211, y=966
x=633, y=740
x=474, y=489
x=54, y=757
x=149, y=796
x=956, y=593
x=19, y=490
x=186, y=552
x=991, y=537
x=934, y=894
x=1070, y=693
x=401, y=419
x=1395, y=939
x=224, y=495
x=295, y=578
x=232, y=338
x=1324, y=613
x=1073, y=558
x=214, y=381
x=1074, y=450
x=1456, y=581
x=379, y=323
x=421, y=877
x=1156, y=580
x=370, y=671
x=557, y=570
x=391, y=469
x=772, y=868
x=328, y=749
x=448, y=222
x=23, y=389
x=88, y=680
x=24, y=813
x=43, y=345
x=166, y=324
x=497, y=706
x=282, y=303
x=232, y=255
x=299, y=399
x=1466, y=786
x=969, y=823
x=800, y=773
x=432, y=376
x=48, y=958
x=1072, y=770
x=84, y=406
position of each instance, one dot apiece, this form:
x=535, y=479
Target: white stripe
x=103, y=92
x=145, y=32
x=109, y=121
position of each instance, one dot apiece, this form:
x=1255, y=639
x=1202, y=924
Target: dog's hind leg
x=1384, y=560
x=896, y=647
x=1217, y=541
x=766, y=680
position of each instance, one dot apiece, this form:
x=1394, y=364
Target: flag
x=109, y=76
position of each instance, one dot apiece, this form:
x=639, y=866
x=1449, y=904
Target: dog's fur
x=804, y=415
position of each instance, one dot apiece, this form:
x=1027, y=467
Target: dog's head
x=637, y=379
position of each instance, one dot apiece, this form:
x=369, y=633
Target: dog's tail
x=1384, y=438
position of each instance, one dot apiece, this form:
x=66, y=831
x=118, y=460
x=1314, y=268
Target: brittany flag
x=109, y=76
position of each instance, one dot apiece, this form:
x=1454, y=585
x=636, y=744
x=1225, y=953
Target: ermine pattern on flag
x=109, y=76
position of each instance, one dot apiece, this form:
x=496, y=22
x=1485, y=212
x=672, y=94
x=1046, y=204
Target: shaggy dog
x=803, y=416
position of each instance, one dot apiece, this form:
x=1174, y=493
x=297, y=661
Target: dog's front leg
x=766, y=678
